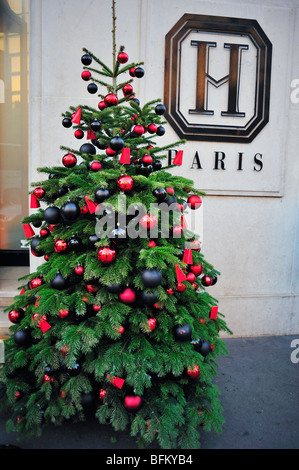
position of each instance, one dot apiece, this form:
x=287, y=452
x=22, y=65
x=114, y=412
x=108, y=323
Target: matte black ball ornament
x=58, y=282
x=88, y=148
x=160, y=131
x=160, y=109
x=22, y=337
x=88, y=400
x=101, y=195
x=157, y=165
x=149, y=298
x=151, y=278
x=116, y=143
x=34, y=246
x=52, y=215
x=70, y=211
x=114, y=288
x=160, y=194
x=205, y=348
x=95, y=125
x=92, y=88
x=183, y=333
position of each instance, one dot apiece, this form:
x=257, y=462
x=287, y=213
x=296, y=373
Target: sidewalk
x=259, y=393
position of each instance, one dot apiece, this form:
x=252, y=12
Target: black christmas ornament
x=197, y=344
x=92, y=239
x=149, y=298
x=160, y=109
x=75, y=243
x=34, y=246
x=144, y=170
x=88, y=400
x=92, y=88
x=160, y=131
x=22, y=337
x=86, y=59
x=100, y=145
x=67, y=122
x=52, y=215
x=116, y=143
x=182, y=333
x=151, y=278
x=74, y=370
x=114, y=288
x=205, y=348
x=101, y=195
x=160, y=194
x=95, y=125
x=157, y=165
x=139, y=72
x=118, y=235
x=58, y=282
x=88, y=148
x=70, y=211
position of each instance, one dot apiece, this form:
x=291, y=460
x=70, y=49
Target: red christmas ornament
x=28, y=231
x=116, y=381
x=125, y=183
x=132, y=403
x=170, y=291
x=39, y=192
x=180, y=287
x=86, y=75
x=60, y=245
x=102, y=105
x=152, y=128
x=92, y=289
x=152, y=323
x=65, y=350
x=196, y=269
x=214, y=313
x=193, y=371
x=122, y=57
x=138, y=129
x=110, y=152
x=194, y=202
x=79, y=270
x=132, y=72
x=127, y=89
x=46, y=257
x=47, y=378
x=69, y=160
x=178, y=159
x=34, y=202
x=97, y=308
x=95, y=166
x=191, y=277
x=147, y=160
x=111, y=100
x=79, y=134
x=195, y=245
x=106, y=255
x=152, y=244
x=34, y=283
x=76, y=117
x=177, y=231
x=120, y=329
x=194, y=285
x=63, y=313
x=102, y=394
x=148, y=221
x=15, y=316
x=44, y=232
x=206, y=281
x=128, y=296
x=170, y=190
x=125, y=156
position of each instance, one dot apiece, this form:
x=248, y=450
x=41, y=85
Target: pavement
x=259, y=383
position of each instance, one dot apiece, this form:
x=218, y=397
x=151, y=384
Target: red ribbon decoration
x=125, y=156
x=178, y=160
x=116, y=381
x=44, y=326
x=214, y=312
x=90, y=135
x=92, y=206
x=28, y=231
x=34, y=202
x=179, y=274
x=76, y=117
x=188, y=256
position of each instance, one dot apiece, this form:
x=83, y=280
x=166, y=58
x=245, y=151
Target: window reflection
x=13, y=121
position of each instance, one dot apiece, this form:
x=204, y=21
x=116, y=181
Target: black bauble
x=118, y=235
x=86, y=59
x=149, y=298
x=151, y=278
x=52, y=215
x=92, y=88
x=58, y=282
x=114, y=288
x=101, y=195
x=144, y=170
x=160, y=194
x=67, y=122
x=182, y=333
x=88, y=400
x=95, y=125
x=22, y=337
x=100, y=145
x=205, y=348
x=160, y=109
x=160, y=131
x=197, y=344
x=75, y=243
x=70, y=211
x=92, y=239
x=139, y=72
x=88, y=148
x=34, y=246
x=74, y=370
x=116, y=143
x=157, y=165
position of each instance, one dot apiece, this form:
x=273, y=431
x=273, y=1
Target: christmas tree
x=117, y=320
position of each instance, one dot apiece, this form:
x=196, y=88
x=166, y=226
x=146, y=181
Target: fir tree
x=117, y=321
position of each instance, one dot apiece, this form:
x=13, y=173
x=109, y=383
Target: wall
x=252, y=239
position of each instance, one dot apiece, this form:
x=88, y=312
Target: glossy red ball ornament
x=125, y=183
x=194, y=285
x=127, y=89
x=91, y=288
x=180, y=287
x=65, y=350
x=170, y=291
x=132, y=72
x=79, y=134
x=177, y=231
x=152, y=323
x=194, y=202
x=34, y=283
x=148, y=221
x=44, y=232
x=147, y=160
x=110, y=152
x=79, y=270
x=86, y=75
x=152, y=128
x=122, y=57
x=195, y=245
x=133, y=403
x=111, y=100
x=95, y=166
x=102, y=394
x=206, y=281
x=138, y=129
x=102, y=105
x=128, y=296
x=196, y=269
x=193, y=371
x=97, y=308
x=106, y=255
x=63, y=313
x=46, y=257
x=60, y=246
x=191, y=277
x=69, y=160
x=120, y=329
x=39, y=192
x=152, y=244
x=15, y=316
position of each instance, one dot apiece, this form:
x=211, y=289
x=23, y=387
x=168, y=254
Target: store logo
x=217, y=78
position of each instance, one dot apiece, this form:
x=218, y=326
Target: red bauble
x=60, y=245
x=106, y=255
x=110, y=152
x=132, y=72
x=147, y=160
x=194, y=285
x=127, y=89
x=79, y=270
x=132, y=403
x=120, y=329
x=170, y=190
x=193, y=371
x=97, y=308
x=95, y=166
x=181, y=287
x=128, y=296
x=63, y=313
x=206, y=281
x=15, y=316
x=46, y=257
x=152, y=128
x=69, y=160
x=152, y=323
x=138, y=129
x=177, y=231
x=195, y=245
x=191, y=277
x=44, y=232
x=152, y=244
x=102, y=394
x=196, y=269
x=92, y=289
x=79, y=134
x=170, y=291
x=122, y=57
x=38, y=281
x=86, y=75
x=111, y=99
x=125, y=183
x=148, y=221
x=194, y=202
x=102, y=105
x=39, y=192
x=65, y=350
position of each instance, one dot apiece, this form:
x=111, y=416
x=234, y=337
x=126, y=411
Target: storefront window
x=13, y=122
